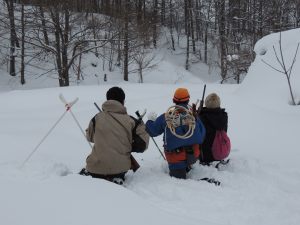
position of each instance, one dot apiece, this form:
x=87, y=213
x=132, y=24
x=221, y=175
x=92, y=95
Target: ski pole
x=47, y=134
x=202, y=100
x=141, y=118
x=158, y=148
x=97, y=107
x=74, y=117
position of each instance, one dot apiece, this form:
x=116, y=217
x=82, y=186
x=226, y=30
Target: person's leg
x=178, y=173
x=190, y=156
x=177, y=163
x=206, y=153
x=115, y=178
x=206, y=157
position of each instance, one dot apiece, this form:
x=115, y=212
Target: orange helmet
x=181, y=95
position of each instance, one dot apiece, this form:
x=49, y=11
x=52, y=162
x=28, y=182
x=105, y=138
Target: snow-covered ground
x=260, y=185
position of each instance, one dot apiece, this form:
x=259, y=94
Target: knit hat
x=181, y=95
x=116, y=93
x=212, y=101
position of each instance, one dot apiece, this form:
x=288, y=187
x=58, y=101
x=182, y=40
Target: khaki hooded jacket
x=111, y=133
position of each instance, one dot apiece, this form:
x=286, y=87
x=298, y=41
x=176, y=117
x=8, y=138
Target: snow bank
x=265, y=86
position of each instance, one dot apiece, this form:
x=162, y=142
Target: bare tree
x=126, y=40
x=222, y=33
x=73, y=36
x=155, y=22
x=284, y=69
x=188, y=33
x=22, y=45
x=13, y=37
x=44, y=27
x=171, y=24
x=65, y=30
x=144, y=61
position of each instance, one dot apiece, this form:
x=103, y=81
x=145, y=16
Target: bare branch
x=272, y=66
x=294, y=60
x=81, y=52
x=281, y=55
x=278, y=60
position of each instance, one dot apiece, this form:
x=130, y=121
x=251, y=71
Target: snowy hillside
x=168, y=68
x=271, y=87
x=259, y=186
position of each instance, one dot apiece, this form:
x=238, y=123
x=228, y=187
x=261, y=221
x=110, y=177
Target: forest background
x=60, y=39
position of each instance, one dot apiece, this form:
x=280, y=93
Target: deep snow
x=259, y=186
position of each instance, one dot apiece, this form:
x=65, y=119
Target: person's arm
x=156, y=127
x=90, y=131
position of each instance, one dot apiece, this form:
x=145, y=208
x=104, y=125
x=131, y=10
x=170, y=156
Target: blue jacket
x=171, y=142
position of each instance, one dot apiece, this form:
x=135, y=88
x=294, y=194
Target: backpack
x=221, y=145
x=138, y=144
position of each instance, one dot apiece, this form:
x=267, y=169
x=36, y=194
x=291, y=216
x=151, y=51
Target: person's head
x=181, y=96
x=212, y=101
x=116, y=93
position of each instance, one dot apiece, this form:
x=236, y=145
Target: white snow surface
x=260, y=185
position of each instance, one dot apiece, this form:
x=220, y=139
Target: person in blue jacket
x=183, y=134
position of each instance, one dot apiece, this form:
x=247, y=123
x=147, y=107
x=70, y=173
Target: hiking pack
x=138, y=144
x=221, y=145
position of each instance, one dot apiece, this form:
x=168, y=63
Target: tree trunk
x=205, y=42
x=139, y=11
x=154, y=23
x=44, y=26
x=55, y=18
x=65, y=40
x=172, y=24
x=191, y=25
x=187, y=19
x=126, y=41
x=141, y=74
x=22, y=46
x=163, y=12
x=13, y=37
x=79, y=68
x=222, y=33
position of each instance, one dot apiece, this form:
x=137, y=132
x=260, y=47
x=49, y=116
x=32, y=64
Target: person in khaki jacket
x=111, y=131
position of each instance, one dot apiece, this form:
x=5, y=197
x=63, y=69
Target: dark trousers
x=183, y=158
x=178, y=173
x=206, y=156
x=110, y=177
